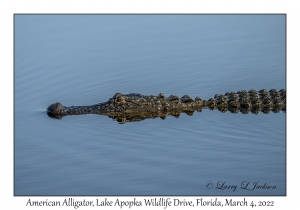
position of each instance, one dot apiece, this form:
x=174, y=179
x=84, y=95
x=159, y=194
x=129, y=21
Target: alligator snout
x=56, y=109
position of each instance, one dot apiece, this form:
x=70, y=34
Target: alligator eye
x=120, y=99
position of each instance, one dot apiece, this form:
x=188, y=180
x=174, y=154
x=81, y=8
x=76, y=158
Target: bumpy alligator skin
x=136, y=107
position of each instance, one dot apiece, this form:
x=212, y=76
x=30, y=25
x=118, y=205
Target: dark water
x=86, y=59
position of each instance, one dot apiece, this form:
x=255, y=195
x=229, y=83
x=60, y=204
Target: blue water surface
x=86, y=59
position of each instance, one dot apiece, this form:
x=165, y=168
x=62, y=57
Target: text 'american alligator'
x=136, y=107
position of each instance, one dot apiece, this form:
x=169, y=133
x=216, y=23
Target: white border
x=8, y=8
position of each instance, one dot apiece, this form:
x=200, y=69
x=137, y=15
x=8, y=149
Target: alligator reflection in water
x=136, y=107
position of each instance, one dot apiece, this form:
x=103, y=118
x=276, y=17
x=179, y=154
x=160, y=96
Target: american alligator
x=135, y=107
